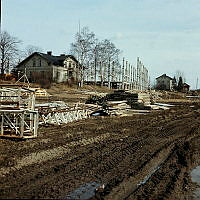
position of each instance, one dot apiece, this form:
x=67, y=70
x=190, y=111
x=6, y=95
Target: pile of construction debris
x=125, y=103
x=58, y=112
x=20, y=116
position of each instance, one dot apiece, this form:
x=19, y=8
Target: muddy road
x=138, y=157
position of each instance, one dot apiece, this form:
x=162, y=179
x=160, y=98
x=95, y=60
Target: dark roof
x=164, y=75
x=55, y=60
x=186, y=85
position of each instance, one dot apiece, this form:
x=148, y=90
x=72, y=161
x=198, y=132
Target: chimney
x=49, y=53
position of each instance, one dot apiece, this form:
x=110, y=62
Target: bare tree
x=96, y=56
x=109, y=55
x=179, y=74
x=30, y=49
x=83, y=45
x=8, y=51
x=82, y=48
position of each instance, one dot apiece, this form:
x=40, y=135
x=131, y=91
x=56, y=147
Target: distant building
x=186, y=87
x=164, y=82
x=57, y=68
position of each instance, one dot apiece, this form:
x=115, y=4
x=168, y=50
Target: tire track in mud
x=180, y=139
x=130, y=185
x=43, y=156
x=161, y=184
x=120, y=156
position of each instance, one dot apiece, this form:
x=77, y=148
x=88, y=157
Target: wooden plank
x=2, y=121
x=16, y=136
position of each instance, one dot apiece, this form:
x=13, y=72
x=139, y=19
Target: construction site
x=97, y=143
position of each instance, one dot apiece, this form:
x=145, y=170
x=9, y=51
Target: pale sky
x=165, y=34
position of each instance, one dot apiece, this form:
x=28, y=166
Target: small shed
x=186, y=87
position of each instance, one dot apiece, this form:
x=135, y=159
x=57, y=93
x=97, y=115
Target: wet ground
x=140, y=157
x=195, y=174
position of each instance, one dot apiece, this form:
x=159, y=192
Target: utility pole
x=0, y=15
x=78, y=77
x=197, y=83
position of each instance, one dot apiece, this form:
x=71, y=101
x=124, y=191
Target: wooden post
x=31, y=122
x=135, y=79
x=104, y=72
x=2, y=122
x=123, y=74
x=138, y=73
x=126, y=74
x=129, y=74
x=113, y=70
x=101, y=73
x=95, y=69
x=131, y=77
x=22, y=124
x=35, y=124
x=109, y=73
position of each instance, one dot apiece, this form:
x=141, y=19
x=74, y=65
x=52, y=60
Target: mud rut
x=139, y=157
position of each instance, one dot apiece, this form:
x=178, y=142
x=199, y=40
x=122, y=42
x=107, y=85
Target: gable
x=68, y=59
x=48, y=59
x=164, y=76
x=34, y=60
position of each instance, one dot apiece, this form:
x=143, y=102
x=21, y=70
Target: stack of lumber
x=118, y=105
x=41, y=92
x=121, y=95
x=144, y=98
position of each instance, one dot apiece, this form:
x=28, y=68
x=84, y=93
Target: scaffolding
x=57, y=114
x=18, y=116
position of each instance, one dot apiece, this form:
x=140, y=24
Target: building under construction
x=124, y=77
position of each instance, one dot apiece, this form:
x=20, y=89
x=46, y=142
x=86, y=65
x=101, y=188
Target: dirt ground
x=137, y=157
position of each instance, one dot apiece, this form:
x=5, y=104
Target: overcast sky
x=165, y=34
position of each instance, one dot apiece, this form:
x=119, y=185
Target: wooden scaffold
x=18, y=116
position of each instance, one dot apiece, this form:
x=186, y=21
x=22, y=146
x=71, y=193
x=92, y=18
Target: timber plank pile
x=121, y=95
x=122, y=102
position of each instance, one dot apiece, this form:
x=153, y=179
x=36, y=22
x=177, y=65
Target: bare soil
x=137, y=157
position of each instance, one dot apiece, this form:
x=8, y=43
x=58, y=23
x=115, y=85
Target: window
x=70, y=74
x=70, y=64
x=58, y=75
x=34, y=63
x=40, y=62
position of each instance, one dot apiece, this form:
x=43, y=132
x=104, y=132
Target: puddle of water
x=85, y=192
x=195, y=174
x=148, y=176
